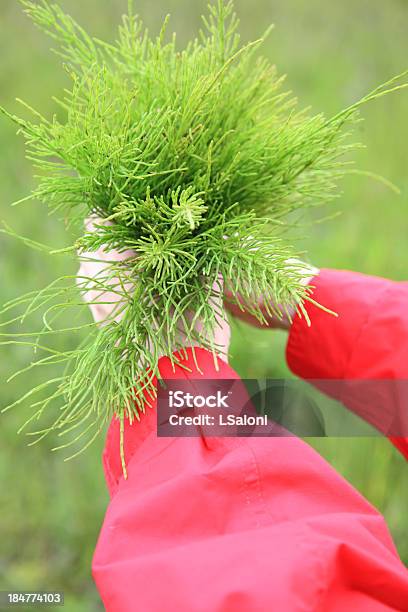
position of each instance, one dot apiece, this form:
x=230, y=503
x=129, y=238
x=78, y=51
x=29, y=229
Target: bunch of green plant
x=196, y=160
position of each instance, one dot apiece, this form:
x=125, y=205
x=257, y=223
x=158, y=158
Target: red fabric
x=242, y=524
x=368, y=340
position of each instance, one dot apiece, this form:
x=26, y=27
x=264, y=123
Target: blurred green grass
x=333, y=54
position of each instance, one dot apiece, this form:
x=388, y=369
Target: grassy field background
x=333, y=53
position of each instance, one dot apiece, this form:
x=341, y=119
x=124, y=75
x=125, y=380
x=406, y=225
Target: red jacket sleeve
x=368, y=340
x=237, y=525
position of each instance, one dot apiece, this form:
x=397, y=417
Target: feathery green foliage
x=195, y=158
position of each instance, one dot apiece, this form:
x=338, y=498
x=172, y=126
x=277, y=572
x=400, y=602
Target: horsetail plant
x=194, y=161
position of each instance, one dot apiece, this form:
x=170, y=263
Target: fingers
x=271, y=322
x=93, y=276
x=306, y=271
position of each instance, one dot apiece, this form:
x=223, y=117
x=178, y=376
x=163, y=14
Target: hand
x=272, y=322
x=102, y=304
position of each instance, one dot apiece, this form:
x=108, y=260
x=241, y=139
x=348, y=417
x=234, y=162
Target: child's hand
x=102, y=304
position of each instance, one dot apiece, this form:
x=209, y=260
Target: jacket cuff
x=192, y=363
x=325, y=349
x=348, y=357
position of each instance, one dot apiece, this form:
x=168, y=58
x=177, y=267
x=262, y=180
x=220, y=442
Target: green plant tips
x=195, y=161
